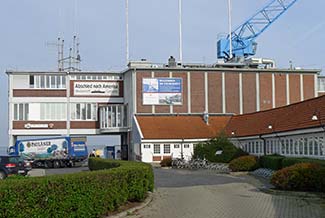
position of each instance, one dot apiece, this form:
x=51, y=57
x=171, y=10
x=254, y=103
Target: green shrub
x=84, y=194
x=244, y=163
x=299, y=177
x=273, y=162
x=166, y=162
x=208, y=150
x=289, y=161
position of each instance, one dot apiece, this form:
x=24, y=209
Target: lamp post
x=182, y=155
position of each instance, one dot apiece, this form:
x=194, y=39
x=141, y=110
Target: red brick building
x=106, y=103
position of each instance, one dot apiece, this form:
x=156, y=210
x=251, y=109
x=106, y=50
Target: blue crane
x=243, y=37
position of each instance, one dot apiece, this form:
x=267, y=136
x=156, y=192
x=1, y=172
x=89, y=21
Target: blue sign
x=170, y=85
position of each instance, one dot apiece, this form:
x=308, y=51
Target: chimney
x=171, y=62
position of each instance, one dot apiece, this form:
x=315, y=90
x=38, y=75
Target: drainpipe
x=264, y=144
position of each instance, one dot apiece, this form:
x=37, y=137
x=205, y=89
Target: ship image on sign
x=90, y=88
x=51, y=152
x=162, y=91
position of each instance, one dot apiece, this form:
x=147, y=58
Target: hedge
x=84, y=194
x=276, y=162
x=300, y=177
x=244, y=163
x=289, y=161
x=273, y=162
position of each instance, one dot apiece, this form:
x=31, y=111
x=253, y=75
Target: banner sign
x=162, y=91
x=51, y=148
x=89, y=88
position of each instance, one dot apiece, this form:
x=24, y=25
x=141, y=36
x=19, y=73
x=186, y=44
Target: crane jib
x=243, y=37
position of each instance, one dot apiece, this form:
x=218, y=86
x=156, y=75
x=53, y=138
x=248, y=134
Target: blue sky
x=28, y=25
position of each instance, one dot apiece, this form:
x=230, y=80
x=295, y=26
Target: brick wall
x=39, y=93
x=249, y=92
x=197, y=92
x=265, y=91
x=232, y=92
x=280, y=90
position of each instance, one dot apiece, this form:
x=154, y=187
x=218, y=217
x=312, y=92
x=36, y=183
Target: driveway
x=196, y=194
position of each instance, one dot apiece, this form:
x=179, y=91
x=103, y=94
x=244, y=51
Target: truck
x=51, y=152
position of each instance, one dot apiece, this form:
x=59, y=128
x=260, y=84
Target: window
x=31, y=81
x=296, y=147
x=47, y=81
x=316, y=146
x=257, y=147
x=53, y=111
x=301, y=146
x=186, y=145
x=291, y=147
x=305, y=146
x=287, y=146
x=84, y=111
x=321, y=146
x=146, y=146
x=176, y=146
x=311, y=146
x=112, y=116
x=95, y=77
x=283, y=147
x=21, y=111
x=156, y=148
x=166, y=148
x=321, y=84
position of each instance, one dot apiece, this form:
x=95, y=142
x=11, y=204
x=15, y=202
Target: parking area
x=184, y=193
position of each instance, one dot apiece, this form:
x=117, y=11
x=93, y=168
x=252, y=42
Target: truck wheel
x=2, y=175
x=56, y=164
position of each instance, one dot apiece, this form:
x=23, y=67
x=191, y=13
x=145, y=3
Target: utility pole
x=230, y=30
x=180, y=31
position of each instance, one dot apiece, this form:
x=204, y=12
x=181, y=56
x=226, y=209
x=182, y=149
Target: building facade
x=107, y=103
x=296, y=130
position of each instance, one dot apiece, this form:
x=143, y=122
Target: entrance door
x=110, y=152
x=124, y=152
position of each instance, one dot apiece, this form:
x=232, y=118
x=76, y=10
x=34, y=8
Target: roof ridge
x=281, y=107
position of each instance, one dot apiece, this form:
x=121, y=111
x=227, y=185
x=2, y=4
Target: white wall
x=20, y=81
x=147, y=151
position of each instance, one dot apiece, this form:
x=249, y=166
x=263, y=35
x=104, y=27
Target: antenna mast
x=127, y=30
x=180, y=31
x=73, y=60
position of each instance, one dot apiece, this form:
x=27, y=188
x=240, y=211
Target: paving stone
x=225, y=197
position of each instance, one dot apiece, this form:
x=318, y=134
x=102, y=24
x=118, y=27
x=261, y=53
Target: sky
x=28, y=27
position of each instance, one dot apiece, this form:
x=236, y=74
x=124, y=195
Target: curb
x=132, y=210
x=292, y=193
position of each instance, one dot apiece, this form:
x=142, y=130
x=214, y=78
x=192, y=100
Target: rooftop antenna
x=60, y=45
x=73, y=60
x=127, y=30
x=180, y=31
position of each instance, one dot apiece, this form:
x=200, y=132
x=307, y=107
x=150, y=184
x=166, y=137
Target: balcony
x=113, y=118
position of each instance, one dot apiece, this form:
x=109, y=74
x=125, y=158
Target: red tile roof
x=181, y=126
x=292, y=117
